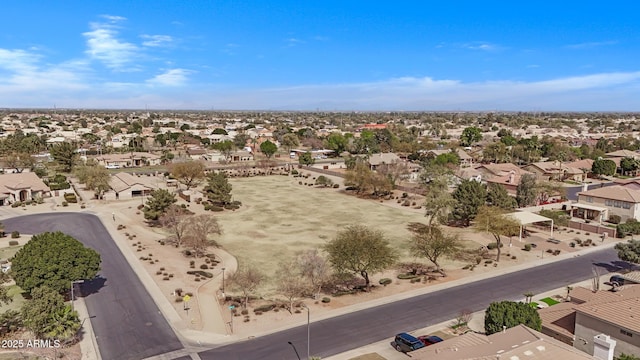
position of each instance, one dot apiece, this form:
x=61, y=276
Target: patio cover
x=588, y=207
x=526, y=217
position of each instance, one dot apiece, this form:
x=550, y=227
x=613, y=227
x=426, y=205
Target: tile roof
x=25, y=180
x=519, y=342
x=384, y=158
x=123, y=181
x=614, y=192
x=621, y=308
x=502, y=169
x=623, y=153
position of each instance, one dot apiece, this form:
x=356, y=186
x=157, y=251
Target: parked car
x=429, y=339
x=405, y=343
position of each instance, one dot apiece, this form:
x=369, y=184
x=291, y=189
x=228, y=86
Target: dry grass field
x=280, y=217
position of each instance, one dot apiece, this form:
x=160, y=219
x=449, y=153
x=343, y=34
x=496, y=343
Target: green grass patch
x=8, y=252
x=549, y=301
x=16, y=293
x=534, y=304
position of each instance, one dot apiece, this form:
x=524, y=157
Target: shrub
x=615, y=219
x=326, y=300
x=200, y=273
x=488, y=261
x=335, y=186
x=527, y=247
x=556, y=252
x=158, y=272
x=16, y=204
x=385, y=281
x=192, y=262
x=264, y=308
x=204, y=267
x=15, y=234
x=493, y=246
x=140, y=207
x=407, y=276
x=13, y=242
x=64, y=203
x=178, y=299
x=165, y=278
x=513, y=257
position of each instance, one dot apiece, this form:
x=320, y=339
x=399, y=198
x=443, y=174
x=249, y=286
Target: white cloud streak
x=156, y=40
x=103, y=45
x=172, y=77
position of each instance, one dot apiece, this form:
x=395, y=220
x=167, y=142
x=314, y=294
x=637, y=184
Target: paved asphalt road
x=126, y=321
x=343, y=333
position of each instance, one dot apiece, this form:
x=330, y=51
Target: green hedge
x=628, y=228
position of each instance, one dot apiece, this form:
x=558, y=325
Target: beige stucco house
x=126, y=186
x=21, y=187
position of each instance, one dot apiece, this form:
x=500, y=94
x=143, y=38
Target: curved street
x=126, y=321
x=129, y=325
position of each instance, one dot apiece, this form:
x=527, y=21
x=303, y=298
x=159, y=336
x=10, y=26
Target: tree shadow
x=616, y=266
x=89, y=287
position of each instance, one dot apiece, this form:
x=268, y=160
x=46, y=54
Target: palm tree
x=63, y=325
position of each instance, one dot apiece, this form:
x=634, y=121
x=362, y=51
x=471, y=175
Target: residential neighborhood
x=164, y=175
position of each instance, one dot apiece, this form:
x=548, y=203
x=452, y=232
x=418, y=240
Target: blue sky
x=327, y=55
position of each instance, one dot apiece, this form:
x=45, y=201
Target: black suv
x=404, y=342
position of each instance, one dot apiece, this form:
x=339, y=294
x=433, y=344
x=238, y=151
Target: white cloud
x=103, y=45
x=293, y=42
x=172, y=77
x=156, y=40
x=589, y=45
x=481, y=45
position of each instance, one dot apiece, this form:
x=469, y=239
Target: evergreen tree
x=218, y=189
x=469, y=196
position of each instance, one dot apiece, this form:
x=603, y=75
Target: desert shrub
x=16, y=204
x=264, y=308
x=335, y=186
x=178, y=299
x=197, y=279
x=527, y=247
x=15, y=234
x=178, y=291
x=64, y=203
x=326, y=300
x=493, y=246
x=407, y=276
x=385, y=281
x=200, y=273
x=140, y=207
x=165, y=278
x=513, y=257
x=488, y=261
x=478, y=260
x=556, y=252
x=158, y=272
x=72, y=198
x=13, y=242
x=244, y=312
x=415, y=280
x=204, y=266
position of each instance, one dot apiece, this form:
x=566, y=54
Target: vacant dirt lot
x=280, y=217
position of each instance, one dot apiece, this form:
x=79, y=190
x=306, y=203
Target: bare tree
x=290, y=282
x=177, y=222
x=190, y=173
x=433, y=243
x=394, y=171
x=199, y=228
x=246, y=280
x=314, y=268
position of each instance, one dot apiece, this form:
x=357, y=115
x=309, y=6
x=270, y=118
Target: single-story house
x=376, y=160
x=21, y=187
x=132, y=159
x=126, y=186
